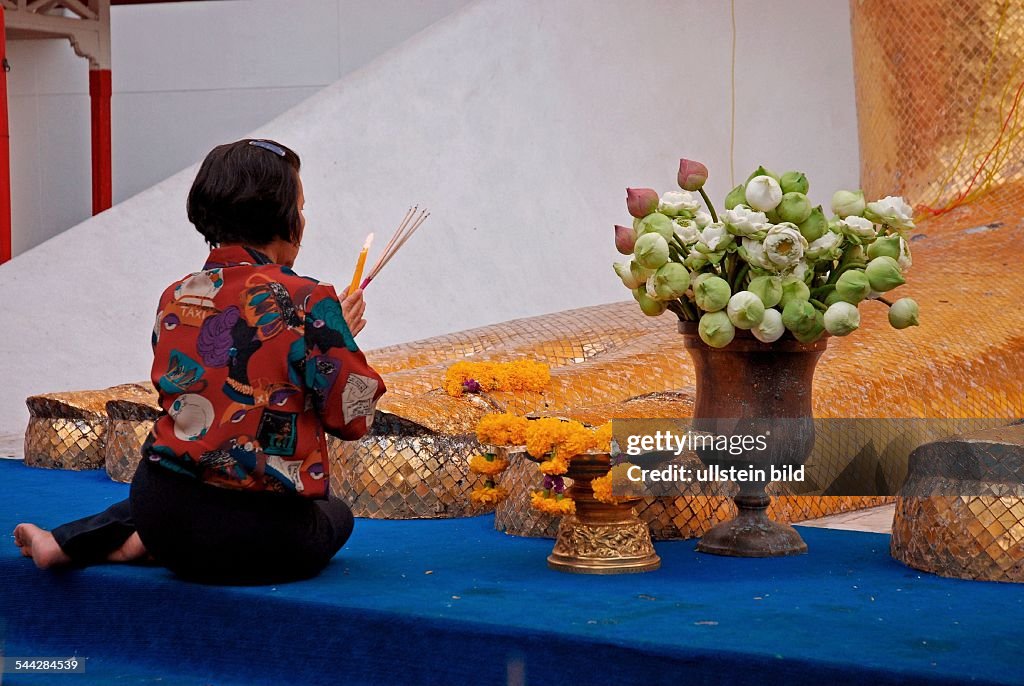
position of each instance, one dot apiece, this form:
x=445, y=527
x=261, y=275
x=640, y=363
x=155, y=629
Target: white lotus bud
x=702, y=218
x=848, y=203
x=858, y=227
x=745, y=310
x=687, y=231
x=624, y=272
x=753, y=252
x=674, y=203
x=763, y=193
x=715, y=237
x=771, y=327
x=824, y=248
x=842, y=318
x=743, y=221
x=904, y=259
x=891, y=210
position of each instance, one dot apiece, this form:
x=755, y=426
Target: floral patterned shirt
x=253, y=363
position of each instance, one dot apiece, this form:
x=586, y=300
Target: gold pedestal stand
x=601, y=538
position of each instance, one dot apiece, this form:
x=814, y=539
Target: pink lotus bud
x=692, y=175
x=625, y=238
x=641, y=201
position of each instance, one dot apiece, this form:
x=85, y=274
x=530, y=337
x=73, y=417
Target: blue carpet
x=455, y=602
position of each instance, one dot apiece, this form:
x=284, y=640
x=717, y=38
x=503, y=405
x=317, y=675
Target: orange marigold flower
x=501, y=429
x=578, y=439
x=488, y=495
x=552, y=505
x=602, y=487
x=479, y=464
x=522, y=375
x=555, y=466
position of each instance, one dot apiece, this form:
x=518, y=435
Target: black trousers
x=214, y=535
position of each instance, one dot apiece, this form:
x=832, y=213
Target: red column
x=99, y=95
x=5, y=156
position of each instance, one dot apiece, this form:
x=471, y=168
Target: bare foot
x=40, y=545
x=131, y=551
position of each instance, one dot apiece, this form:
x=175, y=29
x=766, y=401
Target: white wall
x=518, y=122
x=186, y=76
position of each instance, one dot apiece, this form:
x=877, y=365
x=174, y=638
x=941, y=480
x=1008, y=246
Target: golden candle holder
x=600, y=538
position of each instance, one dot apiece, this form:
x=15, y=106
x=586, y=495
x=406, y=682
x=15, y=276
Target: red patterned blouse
x=253, y=363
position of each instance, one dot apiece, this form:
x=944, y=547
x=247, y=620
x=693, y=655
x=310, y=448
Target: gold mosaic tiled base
x=971, y=528
x=967, y=537
x=128, y=426
x=67, y=430
x=400, y=471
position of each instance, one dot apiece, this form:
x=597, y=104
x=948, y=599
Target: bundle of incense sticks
x=413, y=219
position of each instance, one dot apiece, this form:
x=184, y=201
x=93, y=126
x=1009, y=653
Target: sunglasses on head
x=267, y=145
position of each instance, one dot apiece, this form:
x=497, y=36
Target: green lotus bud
x=798, y=316
x=658, y=223
x=670, y=282
x=793, y=290
x=648, y=305
x=771, y=327
x=745, y=310
x=737, y=196
x=795, y=208
x=773, y=216
x=884, y=274
x=767, y=288
x=848, y=203
x=716, y=330
x=842, y=319
x=624, y=272
x=711, y=294
x=903, y=313
x=815, y=332
x=761, y=171
x=794, y=182
x=651, y=250
x=815, y=226
x=853, y=286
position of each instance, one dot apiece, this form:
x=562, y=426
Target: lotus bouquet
x=770, y=263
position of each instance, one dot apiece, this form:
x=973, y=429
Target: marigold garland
x=521, y=375
x=502, y=429
x=602, y=487
x=487, y=465
x=552, y=505
x=488, y=495
x=551, y=435
x=554, y=466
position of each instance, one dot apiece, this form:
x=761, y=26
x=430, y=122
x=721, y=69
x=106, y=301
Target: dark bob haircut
x=247, y=192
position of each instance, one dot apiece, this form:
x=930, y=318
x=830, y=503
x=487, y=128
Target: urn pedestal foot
x=752, y=534
x=603, y=548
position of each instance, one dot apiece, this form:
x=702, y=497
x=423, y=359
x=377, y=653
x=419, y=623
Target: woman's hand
x=353, y=307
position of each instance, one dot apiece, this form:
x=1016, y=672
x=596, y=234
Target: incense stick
x=412, y=221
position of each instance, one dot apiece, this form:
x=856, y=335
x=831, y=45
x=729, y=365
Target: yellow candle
x=360, y=264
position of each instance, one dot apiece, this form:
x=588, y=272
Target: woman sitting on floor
x=252, y=363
